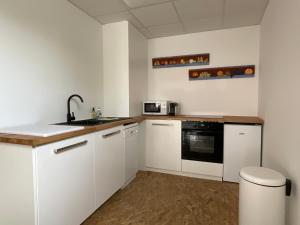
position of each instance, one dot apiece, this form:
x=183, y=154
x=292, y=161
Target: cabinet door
x=65, y=181
x=131, y=153
x=163, y=144
x=242, y=147
x=109, y=163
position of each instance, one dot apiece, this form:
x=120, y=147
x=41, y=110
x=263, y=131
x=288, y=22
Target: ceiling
x=160, y=18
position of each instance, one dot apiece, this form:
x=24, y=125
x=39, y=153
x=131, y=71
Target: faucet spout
x=69, y=116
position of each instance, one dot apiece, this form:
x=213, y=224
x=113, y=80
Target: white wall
x=138, y=71
x=125, y=69
x=116, y=69
x=230, y=47
x=48, y=51
x=279, y=94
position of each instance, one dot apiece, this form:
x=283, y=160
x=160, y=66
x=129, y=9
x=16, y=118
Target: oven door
x=204, y=146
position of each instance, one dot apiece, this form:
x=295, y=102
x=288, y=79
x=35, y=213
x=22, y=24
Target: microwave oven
x=159, y=108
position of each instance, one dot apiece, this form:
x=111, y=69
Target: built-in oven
x=202, y=141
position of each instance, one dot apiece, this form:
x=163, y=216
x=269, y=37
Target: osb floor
x=162, y=199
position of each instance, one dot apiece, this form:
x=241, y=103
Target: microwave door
x=152, y=108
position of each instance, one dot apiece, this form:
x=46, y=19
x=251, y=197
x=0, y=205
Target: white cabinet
x=61, y=183
x=65, y=181
x=163, y=144
x=242, y=147
x=131, y=152
x=109, y=163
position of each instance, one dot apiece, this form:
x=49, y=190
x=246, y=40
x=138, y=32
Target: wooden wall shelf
x=180, y=61
x=246, y=71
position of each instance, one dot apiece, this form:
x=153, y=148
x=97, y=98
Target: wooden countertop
x=36, y=141
x=224, y=119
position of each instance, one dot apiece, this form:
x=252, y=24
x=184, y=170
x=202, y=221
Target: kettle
x=172, y=108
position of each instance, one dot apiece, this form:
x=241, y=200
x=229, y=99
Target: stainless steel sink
x=93, y=122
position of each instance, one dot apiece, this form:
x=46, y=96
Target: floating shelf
x=181, y=61
x=246, y=71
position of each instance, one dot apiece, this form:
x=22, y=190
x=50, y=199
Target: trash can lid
x=263, y=176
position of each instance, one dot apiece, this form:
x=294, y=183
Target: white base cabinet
x=109, y=163
x=61, y=183
x=163, y=144
x=131, y=152
x=242, y=147
x=65, y=181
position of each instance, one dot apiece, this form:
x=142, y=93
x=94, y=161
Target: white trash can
x=261, y=197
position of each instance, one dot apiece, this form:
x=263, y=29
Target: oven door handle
x=200, y=131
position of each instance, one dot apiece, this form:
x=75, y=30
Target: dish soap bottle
x=94, y=115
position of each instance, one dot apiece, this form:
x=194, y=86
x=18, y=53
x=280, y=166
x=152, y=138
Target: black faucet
x=69, y=116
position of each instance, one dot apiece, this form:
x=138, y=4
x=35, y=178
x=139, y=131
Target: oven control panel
x=199, y=125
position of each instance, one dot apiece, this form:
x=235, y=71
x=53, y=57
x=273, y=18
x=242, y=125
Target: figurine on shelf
x=220, y=73
x=156, y=63
x=200, y=59
x=195, y=74
x=191, y=61
x=182, y=61
x=205, y=74
x=228, y=73
x=249, y=71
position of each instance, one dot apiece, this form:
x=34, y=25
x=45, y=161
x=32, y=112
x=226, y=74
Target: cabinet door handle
x=242, y=133
x=133, y=131
x=111, y=134
x=162, y=124
x=70, y=147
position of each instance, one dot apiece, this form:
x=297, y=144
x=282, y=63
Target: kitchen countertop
x=219, y=119
x=36, y=141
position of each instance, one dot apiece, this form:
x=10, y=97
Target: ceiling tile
x=198, y=9
x=240, y=6
x=244, y=12
x=203, y=24
x=100, y=7
x=116, y=17
x=242, y=19
x=141, y=3
x=166, y=30
x=156, y=15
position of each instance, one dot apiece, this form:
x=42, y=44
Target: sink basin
x=93, y=122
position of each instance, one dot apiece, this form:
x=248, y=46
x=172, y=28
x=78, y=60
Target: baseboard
x=179, y=173
x=128, y=182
